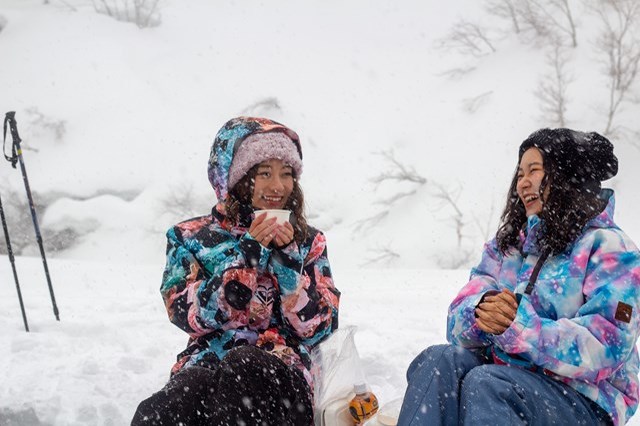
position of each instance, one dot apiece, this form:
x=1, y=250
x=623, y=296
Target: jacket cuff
x=488, y=293
x=510, y=340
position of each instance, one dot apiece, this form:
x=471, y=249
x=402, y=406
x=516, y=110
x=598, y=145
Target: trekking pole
x=16, y=155
x=13, y=266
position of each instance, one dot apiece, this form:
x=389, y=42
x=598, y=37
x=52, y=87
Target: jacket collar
x=529, y=235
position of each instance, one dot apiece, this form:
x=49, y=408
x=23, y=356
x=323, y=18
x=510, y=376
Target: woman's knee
x=249, y=361
x=428, y=356
x=442, y=357
x=489, y=379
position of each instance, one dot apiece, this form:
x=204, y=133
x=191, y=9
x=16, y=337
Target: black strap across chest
x=536, y=270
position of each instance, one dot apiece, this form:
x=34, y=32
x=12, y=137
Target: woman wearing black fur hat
x=545, y=331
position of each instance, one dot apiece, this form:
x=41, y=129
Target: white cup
x=281, y=216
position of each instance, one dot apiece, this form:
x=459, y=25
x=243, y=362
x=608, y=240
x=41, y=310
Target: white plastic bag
x=337, y=368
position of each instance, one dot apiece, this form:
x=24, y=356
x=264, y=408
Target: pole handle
x=10, y=118
x=13, y=126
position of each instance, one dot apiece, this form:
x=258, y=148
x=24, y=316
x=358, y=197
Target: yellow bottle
x=364, y=405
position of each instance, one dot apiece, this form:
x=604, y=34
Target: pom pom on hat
x=260, y=147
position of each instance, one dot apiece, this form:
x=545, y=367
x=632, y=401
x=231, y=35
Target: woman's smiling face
x=273, y=185
x=530, y=175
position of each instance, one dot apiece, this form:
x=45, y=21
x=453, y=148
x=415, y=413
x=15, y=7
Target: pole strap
x=10, y=118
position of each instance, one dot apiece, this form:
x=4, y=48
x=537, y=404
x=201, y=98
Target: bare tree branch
x=552, y=90
x=455, y=260
x=399, y=172
x=545, y=17
x=370, y=221
x=545, y=11
x=467, y=38
x=473, y=104
x=620, y=50
x=394, y=198
x=143, y=13
x=505, y=9
x=570, y=28
x=269, y=103
x=181, y=202
x=65, y=3
x=531, y=18
x=485, y=229
x=456, y=73
x=383, y=254
x=635, y=141
x=450, y=198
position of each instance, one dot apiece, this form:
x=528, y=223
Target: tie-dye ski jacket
x=225, y=289
x=579, y=325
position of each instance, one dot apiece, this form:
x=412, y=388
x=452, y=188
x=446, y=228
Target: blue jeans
x=449, y=385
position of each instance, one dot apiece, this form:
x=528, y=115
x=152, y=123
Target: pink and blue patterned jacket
x=225, y=289
x=581, y=322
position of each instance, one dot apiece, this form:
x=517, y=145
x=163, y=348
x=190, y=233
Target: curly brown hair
x=240, y=196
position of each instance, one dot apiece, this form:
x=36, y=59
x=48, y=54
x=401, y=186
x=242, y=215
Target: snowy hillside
x=117, y=123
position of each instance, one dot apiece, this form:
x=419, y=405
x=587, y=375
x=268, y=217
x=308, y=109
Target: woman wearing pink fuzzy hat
x=254, y=294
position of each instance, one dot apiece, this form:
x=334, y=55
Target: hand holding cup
x=272, y=225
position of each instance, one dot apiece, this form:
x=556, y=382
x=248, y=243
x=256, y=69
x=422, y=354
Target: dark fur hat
x=584, y=159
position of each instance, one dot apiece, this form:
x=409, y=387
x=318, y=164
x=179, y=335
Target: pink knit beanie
x=260, y=147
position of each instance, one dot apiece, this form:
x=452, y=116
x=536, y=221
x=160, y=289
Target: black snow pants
x=249, y=387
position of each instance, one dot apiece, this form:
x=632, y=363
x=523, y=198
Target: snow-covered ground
x=114, y=345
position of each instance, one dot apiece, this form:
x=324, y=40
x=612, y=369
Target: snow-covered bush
x=18, y=220
x=40, y=125
x=20, y=226
x=182, y=202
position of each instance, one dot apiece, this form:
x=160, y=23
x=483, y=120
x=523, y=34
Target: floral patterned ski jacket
x=225, y=289
x=581, y=322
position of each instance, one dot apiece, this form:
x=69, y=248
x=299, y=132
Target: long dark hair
x=239, y=201
x=565, y=212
